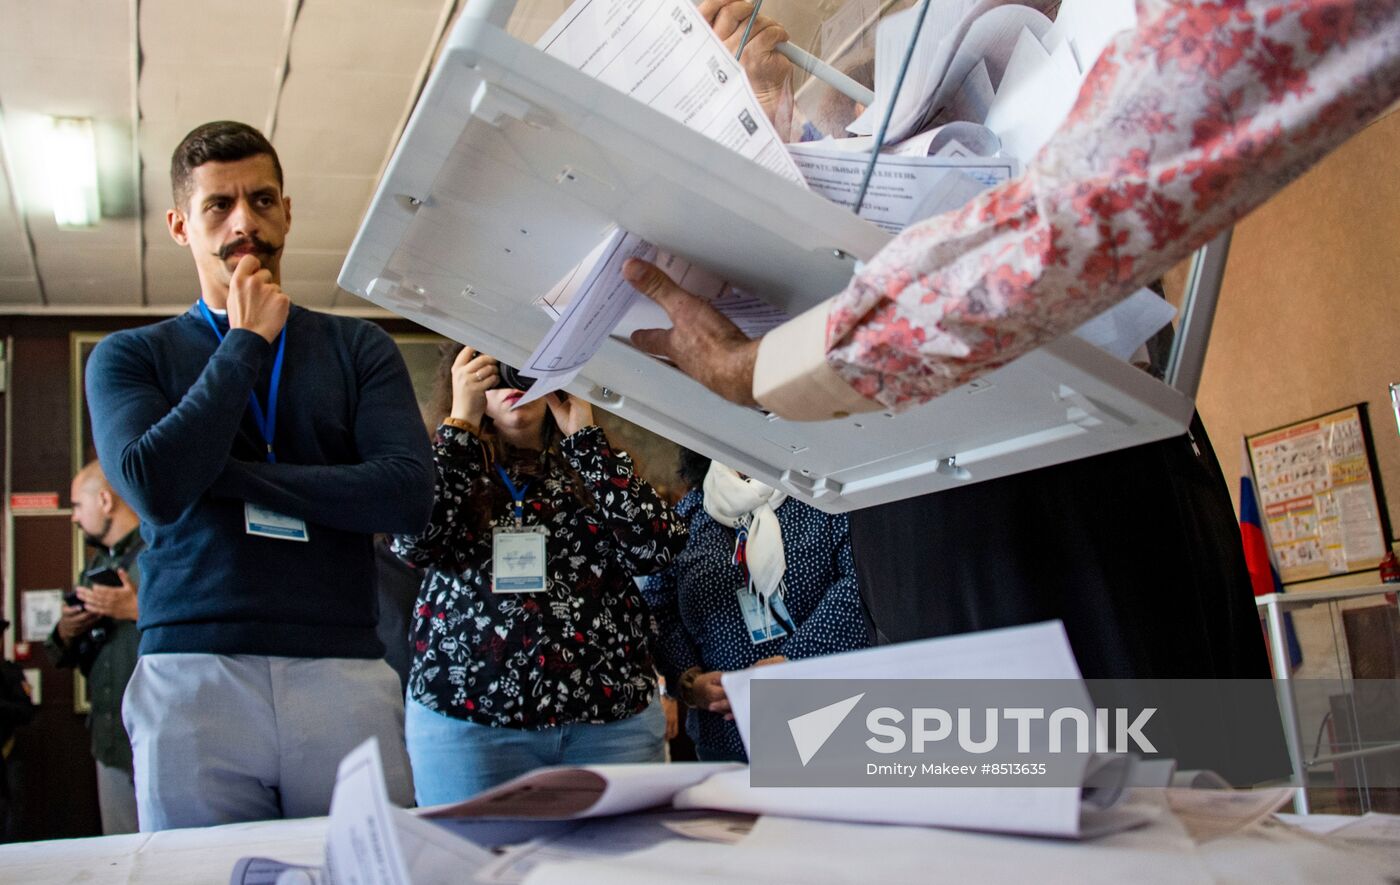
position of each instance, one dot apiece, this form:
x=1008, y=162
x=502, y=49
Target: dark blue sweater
x=178, y=442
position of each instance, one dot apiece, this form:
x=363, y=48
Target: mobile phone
x=103, y=575
x=71, y=598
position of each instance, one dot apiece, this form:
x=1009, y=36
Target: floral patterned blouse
x=1186, y=123
x=577, y=652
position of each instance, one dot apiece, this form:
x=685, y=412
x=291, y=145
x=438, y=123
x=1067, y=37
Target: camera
x=511, y=379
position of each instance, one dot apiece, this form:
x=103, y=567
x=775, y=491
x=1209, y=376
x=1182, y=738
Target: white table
x=173, y=857
x=1270, y=853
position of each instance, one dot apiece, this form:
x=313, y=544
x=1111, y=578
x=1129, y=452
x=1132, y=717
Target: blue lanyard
x=267, y=423
x=517, y=495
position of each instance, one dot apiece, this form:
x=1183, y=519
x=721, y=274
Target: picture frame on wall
x=1320, y=495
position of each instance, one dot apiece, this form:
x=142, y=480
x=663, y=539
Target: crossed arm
x=163, y=458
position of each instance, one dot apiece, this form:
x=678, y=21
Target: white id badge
x=270, y=524
x=518, y=559
x=761, y=624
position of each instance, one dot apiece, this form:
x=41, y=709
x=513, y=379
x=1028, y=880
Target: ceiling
x=329, y=81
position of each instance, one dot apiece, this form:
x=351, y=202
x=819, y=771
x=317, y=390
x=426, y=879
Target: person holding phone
x=97, y=634
x=531, y=640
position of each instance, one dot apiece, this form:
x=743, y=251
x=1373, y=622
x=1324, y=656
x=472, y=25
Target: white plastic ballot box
x=515, y=165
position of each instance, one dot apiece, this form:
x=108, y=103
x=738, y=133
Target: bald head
x=91, y=478
x=103, y=517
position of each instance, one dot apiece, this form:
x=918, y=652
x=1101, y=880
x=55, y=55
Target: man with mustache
x=97, y=634
x=263, y=446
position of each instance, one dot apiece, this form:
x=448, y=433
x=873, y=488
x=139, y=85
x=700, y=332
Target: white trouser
x=219, y=739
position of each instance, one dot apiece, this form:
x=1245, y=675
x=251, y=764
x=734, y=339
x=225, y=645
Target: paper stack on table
x=698, y=822
x=369, y=841
x=789, y=850
x=1037, y=651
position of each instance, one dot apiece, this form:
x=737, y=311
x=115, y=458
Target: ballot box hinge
x=390, y=286
x=1089, y=414
x=813, y=488
x=495, y=106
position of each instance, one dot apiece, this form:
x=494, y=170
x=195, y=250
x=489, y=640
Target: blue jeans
x=454, y=759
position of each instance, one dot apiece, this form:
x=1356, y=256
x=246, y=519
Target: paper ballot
x=369, y=841
x=1037, y=651
x=662, y=53
x=594, y=301
x=575, y=792
x=957, y=36
x=903, y=189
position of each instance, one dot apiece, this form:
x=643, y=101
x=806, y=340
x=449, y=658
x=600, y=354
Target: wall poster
x=1317, y=488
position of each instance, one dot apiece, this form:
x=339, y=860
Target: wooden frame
x=80, y=345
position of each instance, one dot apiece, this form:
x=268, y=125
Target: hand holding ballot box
x=526, y=172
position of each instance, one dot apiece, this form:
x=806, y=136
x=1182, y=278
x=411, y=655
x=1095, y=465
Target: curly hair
x=223, y=141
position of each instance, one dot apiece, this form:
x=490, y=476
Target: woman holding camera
x=530, y=638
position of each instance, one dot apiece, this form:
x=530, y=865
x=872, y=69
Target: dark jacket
x=106, y=655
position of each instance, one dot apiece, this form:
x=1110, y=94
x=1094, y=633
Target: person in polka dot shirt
x=711, y=609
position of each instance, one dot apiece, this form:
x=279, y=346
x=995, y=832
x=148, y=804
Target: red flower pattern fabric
x=1184, y=125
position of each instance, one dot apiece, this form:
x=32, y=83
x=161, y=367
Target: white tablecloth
x=174, y=857
x=1271, y=853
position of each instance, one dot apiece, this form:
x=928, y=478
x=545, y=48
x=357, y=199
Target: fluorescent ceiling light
x=71, y=165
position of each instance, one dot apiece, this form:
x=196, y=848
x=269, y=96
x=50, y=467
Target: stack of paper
x=991, y=62
x=803, y=851
x=370, y=841
x=987, y=79
x=988, y=83
x=961, y=46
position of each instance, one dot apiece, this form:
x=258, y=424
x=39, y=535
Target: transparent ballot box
x=553, y=139
x=1335, y=651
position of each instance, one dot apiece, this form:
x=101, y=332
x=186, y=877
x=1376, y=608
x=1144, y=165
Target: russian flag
x=1257, y=558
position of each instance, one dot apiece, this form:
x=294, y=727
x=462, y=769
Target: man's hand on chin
x=702, y=342
x=255, y=302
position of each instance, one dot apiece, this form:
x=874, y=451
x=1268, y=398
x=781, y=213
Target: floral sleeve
x=647, y=529
x=448, y=539
x=1184, y=125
